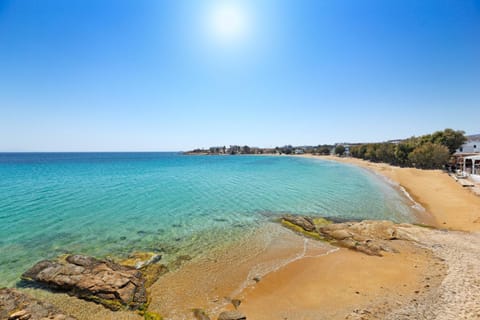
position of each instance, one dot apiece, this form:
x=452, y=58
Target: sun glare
x=228, y=23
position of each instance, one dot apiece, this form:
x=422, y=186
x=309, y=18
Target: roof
x=473, y=157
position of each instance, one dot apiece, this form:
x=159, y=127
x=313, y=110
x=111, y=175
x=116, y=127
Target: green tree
x=450, y=138
x=324, y=150
x=402, y=150
x=339, y=150
x=429, y=156
x=385, y=152
x=371, y=152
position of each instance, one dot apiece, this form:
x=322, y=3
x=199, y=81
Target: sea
x=109, y=205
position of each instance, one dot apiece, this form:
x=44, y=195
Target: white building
x=471, y=167
x=472, y=146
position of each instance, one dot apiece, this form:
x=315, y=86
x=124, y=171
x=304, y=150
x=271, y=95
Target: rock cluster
x=102, y=281
x=370, y=236
x=15, y=305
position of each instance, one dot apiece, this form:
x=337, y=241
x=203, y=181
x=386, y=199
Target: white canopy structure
x=475, y=173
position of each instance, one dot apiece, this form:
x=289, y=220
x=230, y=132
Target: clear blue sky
x=78, y=75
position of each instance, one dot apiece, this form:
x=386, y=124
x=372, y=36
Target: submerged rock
x=370, y=236
x=140, y=260
x=111, y=284
x=16, y=305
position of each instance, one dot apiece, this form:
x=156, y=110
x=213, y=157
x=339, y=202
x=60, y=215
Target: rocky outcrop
x=15, y=305
x=370, y=236
x=111, y=284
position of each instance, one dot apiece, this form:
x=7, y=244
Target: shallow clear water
x=115, y=203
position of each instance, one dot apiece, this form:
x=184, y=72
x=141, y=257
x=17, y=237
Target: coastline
x=350, y=285
x=307, y=288
x=449, y=205
x=301, y=278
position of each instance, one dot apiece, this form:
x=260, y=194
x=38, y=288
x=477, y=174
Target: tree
x=402, y=150
x=429, y=156
x=323, y=150
x=385, y=152
x=339, y=150
x=450, y=138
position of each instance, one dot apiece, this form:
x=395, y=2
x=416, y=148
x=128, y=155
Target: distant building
x=299, y=151
x=235, y=149
x=217, y=150
x=472, y=146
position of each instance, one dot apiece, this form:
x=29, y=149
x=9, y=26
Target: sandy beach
x=423, y=281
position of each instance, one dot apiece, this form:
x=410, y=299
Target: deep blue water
x=115, y=203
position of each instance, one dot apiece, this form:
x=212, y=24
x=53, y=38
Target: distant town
x=288, y=149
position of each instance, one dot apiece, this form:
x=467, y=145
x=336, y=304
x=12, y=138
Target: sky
x=168, y=75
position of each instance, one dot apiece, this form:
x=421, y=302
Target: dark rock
x=199, y=314
x=236, y=303
x=113, y=285
x=231, y=315
x=16, y=305
x=304, y=222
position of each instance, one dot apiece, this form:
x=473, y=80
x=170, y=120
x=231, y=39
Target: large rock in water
x=369, y=236
x=113, y=285
x=16, y=305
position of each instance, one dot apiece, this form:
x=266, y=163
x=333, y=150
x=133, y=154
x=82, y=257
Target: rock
x=340, y=234
x=231, y=315
x=236, y=303
x=304, y=222
x=368, y=236
x=140, y=260
x=22, y=314
x=199, y=314
x=14, y=305
x=102, y=281
x=152, y=272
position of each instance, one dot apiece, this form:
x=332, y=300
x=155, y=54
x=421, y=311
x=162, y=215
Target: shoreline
x=448, y=204
x=321, y=282
x=431, y=291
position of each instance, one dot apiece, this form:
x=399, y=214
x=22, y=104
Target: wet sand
x=337, y=285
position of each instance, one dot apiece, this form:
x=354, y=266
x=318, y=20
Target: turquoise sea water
x=115, y=203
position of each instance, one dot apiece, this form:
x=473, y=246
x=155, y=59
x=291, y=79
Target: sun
x=228, y=22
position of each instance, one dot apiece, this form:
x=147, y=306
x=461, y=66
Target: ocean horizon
x=110, y=204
